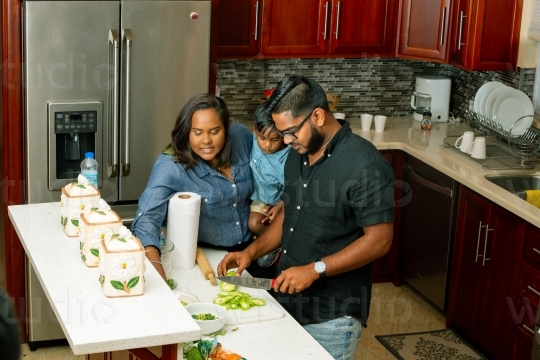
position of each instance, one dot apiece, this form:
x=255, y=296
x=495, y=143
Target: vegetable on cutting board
x=206, y=269
x=225, y=286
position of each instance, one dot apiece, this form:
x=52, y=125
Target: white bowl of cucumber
x=210, y=317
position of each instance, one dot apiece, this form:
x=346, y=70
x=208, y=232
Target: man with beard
x=337, y=218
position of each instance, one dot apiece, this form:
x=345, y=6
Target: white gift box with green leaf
x=122, y=265
x=97, y=223
x=75, y=198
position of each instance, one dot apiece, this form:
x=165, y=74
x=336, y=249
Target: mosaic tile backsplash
x=377, y=86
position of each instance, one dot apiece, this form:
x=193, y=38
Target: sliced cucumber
x=226, y=286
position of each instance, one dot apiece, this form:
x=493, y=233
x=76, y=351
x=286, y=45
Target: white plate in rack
x=491, y=98
x=482, y=94
x=509, y=107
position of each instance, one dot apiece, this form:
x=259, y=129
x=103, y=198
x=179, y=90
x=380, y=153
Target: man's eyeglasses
x=290, y=134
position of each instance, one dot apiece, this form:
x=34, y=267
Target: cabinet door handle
x=325, y=19
x=337, y=19
x=528, y=329
x=478, y=241
x=536, y=251
x=256, y=19
x=461, y=16
x=533, y=290
x=443, y=25
x=485, y=245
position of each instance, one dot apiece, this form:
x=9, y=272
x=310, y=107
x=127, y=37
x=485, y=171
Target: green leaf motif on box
x=81, y=186
x=117, y=285
x=95, y=252
x=101, y=279
x=83, y=258
x=81, y=245
x=63, y=221
x=101, y=212
x=75, y=222
x=133, y=282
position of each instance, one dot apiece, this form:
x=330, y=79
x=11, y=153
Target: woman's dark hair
x=182, y=127
x=262, y=120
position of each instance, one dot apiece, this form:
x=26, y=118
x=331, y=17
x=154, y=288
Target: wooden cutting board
x=205, y=292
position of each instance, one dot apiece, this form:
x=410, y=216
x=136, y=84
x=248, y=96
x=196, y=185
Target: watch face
x=320, y=267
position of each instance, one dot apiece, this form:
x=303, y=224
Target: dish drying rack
x=504, y=150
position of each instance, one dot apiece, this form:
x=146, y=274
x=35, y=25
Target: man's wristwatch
x=320, y=268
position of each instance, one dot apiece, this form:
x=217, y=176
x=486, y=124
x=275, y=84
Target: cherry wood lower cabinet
x=485, y=272
x=168, y=352
x=520, y=349
x=386, y=267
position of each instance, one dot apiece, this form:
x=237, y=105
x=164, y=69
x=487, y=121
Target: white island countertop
x=94, y=323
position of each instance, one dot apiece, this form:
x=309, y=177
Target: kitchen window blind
x=534, y=28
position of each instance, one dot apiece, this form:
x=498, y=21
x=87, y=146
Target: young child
x=268, y=157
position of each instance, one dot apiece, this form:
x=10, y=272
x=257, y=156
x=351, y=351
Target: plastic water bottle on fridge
x=89, y=168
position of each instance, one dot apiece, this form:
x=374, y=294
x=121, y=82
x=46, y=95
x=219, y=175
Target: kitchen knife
x=256, y=283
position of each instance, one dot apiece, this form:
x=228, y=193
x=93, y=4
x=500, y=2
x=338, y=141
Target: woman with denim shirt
x=209, y=157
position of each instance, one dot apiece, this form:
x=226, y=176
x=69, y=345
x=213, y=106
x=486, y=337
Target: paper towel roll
x=183, y=228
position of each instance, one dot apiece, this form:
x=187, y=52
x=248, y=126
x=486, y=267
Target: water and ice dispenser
x=73, y=131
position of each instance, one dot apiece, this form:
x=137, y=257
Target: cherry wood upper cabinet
x=238, y=23
x=423, y=29
x=296, y=27
x=485, y=34
x=363, y=27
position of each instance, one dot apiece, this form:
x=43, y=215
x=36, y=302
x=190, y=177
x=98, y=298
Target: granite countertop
x=404, y=133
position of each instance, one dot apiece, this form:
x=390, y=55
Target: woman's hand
x=152, y=253
x=239, y=260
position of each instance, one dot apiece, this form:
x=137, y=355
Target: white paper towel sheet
x=183, y=228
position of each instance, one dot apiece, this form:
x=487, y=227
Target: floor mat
x=431, y=345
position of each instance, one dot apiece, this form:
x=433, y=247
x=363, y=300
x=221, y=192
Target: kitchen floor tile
x=393, y=310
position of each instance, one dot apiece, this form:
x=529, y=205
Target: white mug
x=366, y=121
x=339, y=116
x=478, y=148
x=380, y=121
x=466, y=141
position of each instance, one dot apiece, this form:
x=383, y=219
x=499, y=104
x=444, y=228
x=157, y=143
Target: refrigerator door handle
x=126, y=40
x=113, y=100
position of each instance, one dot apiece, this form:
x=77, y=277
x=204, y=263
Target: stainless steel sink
x=516, y=184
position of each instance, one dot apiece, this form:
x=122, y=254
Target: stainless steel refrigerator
x=108, y=77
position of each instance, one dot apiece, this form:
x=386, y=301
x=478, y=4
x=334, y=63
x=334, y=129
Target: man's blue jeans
x=339, y=337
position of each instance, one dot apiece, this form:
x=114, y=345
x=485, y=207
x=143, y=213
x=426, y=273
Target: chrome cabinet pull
x=536, y=251
x=461, y=16
x=443, y=25
x=256, y=19
x=337, y=19
x=126, y=35
x=528, y=329
x=113, y=41
x=478, y=241
x=325, y=19
x=533, y=290
x=485, y=245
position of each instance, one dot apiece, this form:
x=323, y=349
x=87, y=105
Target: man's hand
x=240, y=260
x=295, y=279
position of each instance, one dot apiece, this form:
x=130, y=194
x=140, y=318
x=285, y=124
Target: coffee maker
x=432, y=93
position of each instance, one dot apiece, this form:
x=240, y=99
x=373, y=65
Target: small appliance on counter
x=432, y=93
